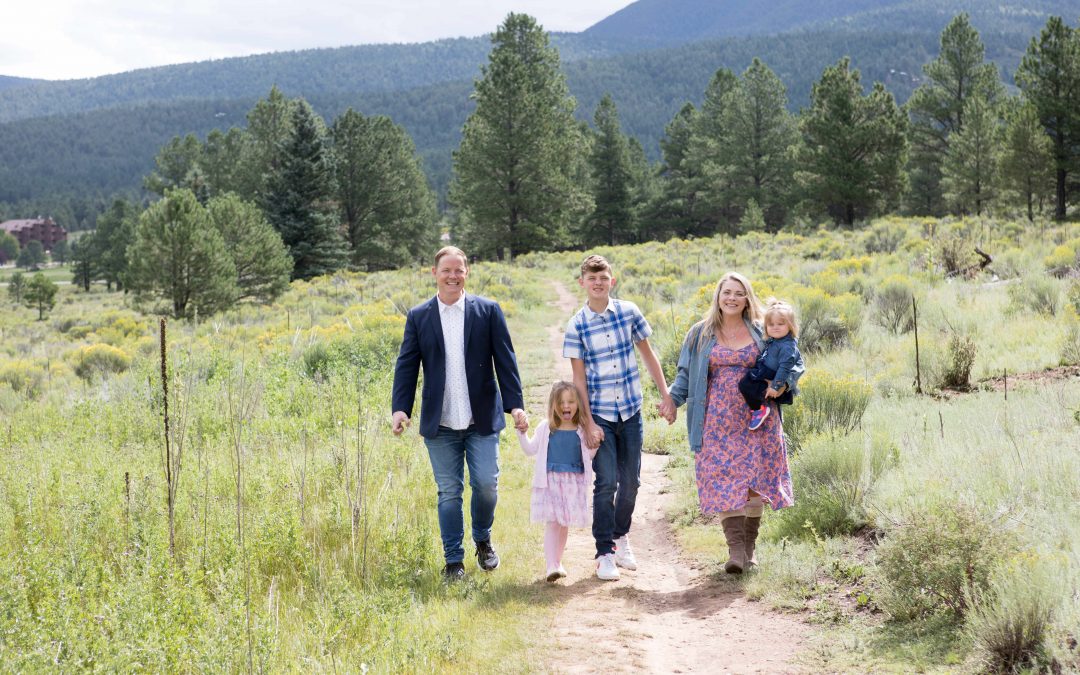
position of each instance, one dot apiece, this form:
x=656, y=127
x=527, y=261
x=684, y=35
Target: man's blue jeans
x=449, y=452
x=617, y=466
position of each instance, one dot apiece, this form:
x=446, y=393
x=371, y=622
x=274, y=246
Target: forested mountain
x=12, y=82
x=681, y=21
x=307, y=73
x=97, y=137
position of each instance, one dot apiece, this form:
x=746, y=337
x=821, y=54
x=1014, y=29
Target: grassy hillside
x=327, y=551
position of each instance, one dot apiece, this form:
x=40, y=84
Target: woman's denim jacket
x=692, y=381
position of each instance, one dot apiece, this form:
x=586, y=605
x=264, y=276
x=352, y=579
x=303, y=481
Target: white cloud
x=60, y=39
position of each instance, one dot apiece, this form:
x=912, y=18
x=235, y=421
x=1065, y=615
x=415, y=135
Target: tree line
x=528, y=175
x=245, y=211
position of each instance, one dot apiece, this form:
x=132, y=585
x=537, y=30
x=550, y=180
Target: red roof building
x=44, y=230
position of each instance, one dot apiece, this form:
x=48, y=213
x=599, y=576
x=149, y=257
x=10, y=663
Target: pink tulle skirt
x=567, y=500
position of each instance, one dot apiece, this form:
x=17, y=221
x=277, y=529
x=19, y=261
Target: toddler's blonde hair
x=774, y=307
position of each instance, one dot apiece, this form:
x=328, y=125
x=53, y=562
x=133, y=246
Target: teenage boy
x=463, y=345
x=600, y=342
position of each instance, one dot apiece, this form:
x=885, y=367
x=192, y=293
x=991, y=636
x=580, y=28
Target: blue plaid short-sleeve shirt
x=605, y=343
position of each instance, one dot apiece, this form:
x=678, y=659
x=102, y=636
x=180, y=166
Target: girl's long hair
x=553, y=403
x=714, y=318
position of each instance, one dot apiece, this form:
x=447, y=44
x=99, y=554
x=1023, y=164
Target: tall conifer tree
x=513, y=173
x=937, y=107
x=853, y=147
x=298, y=199
x=611, y=219
x=1049, y=75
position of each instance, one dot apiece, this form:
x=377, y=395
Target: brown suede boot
x=735, y=533
x=752, y=525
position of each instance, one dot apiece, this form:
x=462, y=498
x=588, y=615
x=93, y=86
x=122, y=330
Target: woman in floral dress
x=737, y=469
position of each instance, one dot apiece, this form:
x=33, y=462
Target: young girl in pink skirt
x=562, y=481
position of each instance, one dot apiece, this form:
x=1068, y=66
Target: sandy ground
x=666, y=617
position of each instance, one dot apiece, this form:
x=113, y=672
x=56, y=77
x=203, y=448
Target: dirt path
x=666, y=617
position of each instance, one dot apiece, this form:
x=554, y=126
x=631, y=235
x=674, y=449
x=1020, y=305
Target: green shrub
x=1039, y=294
x=23, y=377
x=936, y=559
x=100, y=359
x=825, y=322
x=892, y=304
x=1063, y=259
x=884, y=236
x=1072, y=292
x=1010, y=622
x=1070, y=342
x=832, y=479
x=961, y=357
x=825, y=405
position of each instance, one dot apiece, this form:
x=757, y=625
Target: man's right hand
x=400, y=422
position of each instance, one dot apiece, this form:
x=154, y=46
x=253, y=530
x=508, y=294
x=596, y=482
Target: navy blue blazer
x=489, y=354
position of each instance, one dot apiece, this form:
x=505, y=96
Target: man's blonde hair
x=451, y=250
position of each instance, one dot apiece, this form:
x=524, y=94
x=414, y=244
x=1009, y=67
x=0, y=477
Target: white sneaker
x=605, y=567
x=624, y=555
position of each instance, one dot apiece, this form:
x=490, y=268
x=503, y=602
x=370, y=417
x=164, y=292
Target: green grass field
x=304, y=534
x=56, y=274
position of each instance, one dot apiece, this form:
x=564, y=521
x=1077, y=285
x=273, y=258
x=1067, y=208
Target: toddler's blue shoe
x=758, y=417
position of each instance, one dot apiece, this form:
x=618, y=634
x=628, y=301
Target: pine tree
x=298, y=199
x=114, y=233
x=705, y=154
x=937, y=107
x=385, y=203
x=84, y=261
x=611, y=221
x=853, y=147
x=263, y=264
x=1049, y=76
x=40, y=293
x=514, y=170
x=755, y=150
x=1027, y=159
x=970, y=166
x=178, y=256
x=681, y=209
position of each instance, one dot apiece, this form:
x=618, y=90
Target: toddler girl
x=562, y=481
x=779, y=367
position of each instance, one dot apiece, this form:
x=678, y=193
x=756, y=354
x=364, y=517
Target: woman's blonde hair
x=774, y=307
x=713, y=318
x=553, y=402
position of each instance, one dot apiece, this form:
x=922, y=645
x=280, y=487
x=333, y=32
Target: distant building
x=44, y=230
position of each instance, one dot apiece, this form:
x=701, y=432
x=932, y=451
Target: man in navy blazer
x=464, y=347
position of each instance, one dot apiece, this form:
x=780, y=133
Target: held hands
x=400, y=422
x=594, y=436
x=667, y=409
x=521, y=420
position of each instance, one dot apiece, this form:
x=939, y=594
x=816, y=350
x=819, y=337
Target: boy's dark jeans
x=617, y=467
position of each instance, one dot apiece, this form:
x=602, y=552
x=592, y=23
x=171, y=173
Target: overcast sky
x=64, y=39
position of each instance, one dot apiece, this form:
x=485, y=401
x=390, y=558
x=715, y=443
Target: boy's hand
x=667, y=410
x=399, y=422
x=594, y=436
x=521, y=420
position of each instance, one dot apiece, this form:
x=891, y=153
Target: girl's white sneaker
x=556, y=573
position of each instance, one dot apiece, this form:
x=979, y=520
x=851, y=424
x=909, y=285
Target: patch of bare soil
x=1007, y=381
x=667, y=616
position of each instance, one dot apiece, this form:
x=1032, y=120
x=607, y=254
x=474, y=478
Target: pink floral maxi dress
x=734, y=459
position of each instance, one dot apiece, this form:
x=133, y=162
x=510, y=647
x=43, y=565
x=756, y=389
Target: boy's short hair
x=595, y=263
x=451, y=250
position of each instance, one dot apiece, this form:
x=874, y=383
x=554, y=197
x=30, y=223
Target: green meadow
x=933, y=532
